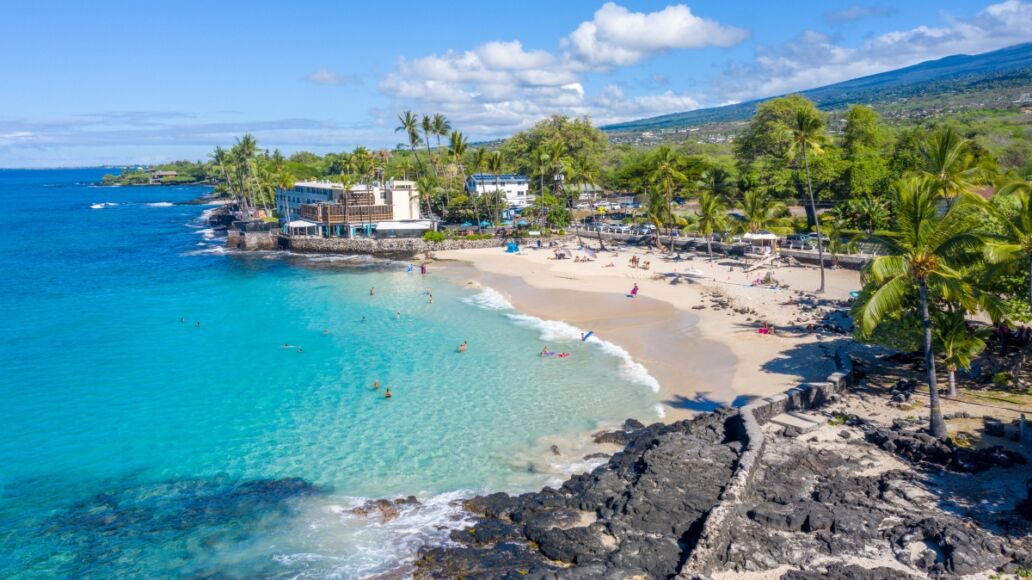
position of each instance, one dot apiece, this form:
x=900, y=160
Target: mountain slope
x=1006, y=68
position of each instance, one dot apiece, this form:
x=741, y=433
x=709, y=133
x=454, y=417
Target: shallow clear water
x=136, y=444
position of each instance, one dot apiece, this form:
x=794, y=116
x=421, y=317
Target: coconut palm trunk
x=937, y=425
x=816, y=221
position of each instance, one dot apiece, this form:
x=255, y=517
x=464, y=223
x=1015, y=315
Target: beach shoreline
x=697, y=336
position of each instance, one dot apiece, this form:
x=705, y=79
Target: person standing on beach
x=422, y=269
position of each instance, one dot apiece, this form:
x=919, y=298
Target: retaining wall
x=715, y=535
x=392, y=247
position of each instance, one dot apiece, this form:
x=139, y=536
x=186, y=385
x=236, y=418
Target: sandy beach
x=703, y=354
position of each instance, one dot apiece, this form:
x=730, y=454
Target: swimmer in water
x=376, y=385
x=299, y=349
x=463, y=346
x=387, y=394
x=198, y=325
x=372, y=290
x=430, y=300
x=363, y=319
x=545, y=351
x=397, y=315
x=182, y=320
x=325, y=331
x=287, y=345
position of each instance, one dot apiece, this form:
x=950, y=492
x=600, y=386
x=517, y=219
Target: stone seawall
x=389, y=248
x=716, y=533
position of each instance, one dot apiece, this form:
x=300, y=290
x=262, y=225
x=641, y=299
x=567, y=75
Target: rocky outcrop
x=637, y=515
x=922, y=448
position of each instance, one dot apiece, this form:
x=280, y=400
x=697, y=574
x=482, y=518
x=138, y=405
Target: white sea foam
x=208, y=233
x=208, y=250
x=559, y=331
x=161, y=204
x=375, y=546
x=489, y=299
x=103, y=205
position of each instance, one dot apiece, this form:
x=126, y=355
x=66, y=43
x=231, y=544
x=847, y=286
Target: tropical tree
x=931, y=253
x=717, y=181
x=1013, y=247
x=495, y=164
x=667, y=175
x=761, y=211
x=285, y=181
x=947, y=161
x=808, y=134
x=557, y=160
x=427, y=124
x=427, y=187
x=710, y=216
x=958, y=344
x=457, y=148
x=410, y=126
x=440, y=126
x=221, y=158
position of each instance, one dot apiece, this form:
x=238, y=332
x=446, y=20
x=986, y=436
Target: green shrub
x=1001, y=379
x=432, y=236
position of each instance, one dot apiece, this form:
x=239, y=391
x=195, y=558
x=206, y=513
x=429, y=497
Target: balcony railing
x=332, y=214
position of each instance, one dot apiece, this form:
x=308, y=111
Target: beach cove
x=155, y=422
x=702, y=357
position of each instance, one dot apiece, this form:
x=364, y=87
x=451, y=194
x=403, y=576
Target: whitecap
x=216, y=250
x=378, y=546
x=488, y=299
x=103, y=205
x=161, y=204
x=559, y=331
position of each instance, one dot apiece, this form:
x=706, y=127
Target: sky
x=111, y=83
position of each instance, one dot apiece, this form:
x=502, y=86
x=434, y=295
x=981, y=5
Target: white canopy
x=414, y=225
x=760, y=237
x=300, y=224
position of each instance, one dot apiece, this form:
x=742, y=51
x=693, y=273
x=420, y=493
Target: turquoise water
x=136, y=444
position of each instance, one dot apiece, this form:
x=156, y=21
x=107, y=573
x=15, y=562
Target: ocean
x=154, y=424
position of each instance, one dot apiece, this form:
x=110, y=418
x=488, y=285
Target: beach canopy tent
x=407, y=229
x=761, y=238
x=299, y=227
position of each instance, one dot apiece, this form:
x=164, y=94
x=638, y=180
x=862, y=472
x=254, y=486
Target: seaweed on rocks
x=637, y=515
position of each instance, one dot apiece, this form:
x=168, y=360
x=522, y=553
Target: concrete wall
x=716, y=534
x=393, y=248
x=251, y=241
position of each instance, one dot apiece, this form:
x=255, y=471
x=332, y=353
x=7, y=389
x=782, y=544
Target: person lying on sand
x=609, y=265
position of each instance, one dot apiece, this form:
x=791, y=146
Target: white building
x=327, y=208
x=516, y=188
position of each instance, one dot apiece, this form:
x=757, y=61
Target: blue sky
x=132, y=82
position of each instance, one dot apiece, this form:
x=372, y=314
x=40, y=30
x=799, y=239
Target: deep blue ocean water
x=134, y=444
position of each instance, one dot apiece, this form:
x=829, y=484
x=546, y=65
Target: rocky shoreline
x=733, y=493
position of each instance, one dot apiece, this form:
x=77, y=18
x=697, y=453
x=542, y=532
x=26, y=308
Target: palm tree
x=710, y=216
x=949, y=164
x=1014, y=245
x=427, y=124
x=410, y=126
x=479, y=163
x=244, y=152
x=583, y=171
x=221, y=158
x=285, y=181
x=761, y=211
x=808, y=133
x=457, y=148
x=957, y=343
x=666, y=174
x=440, y=126
x=426, y=185
x=495, y=164
x=930, y=252
x=717, y=181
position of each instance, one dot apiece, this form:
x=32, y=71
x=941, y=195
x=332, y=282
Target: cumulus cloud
x=618, y=37
x=857, y=12
x=814, y=59
x=328, y=77
x=502, y=86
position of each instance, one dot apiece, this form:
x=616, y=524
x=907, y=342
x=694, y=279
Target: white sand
x=717, y=357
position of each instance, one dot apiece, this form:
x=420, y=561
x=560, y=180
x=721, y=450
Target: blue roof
x=490, y=177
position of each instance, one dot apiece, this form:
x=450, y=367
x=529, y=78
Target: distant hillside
x=976, y=78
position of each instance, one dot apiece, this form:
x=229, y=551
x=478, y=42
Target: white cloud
x=619, y=37
x=813, y=59
x=327, y=77
x=858, y=11
x=501, y=86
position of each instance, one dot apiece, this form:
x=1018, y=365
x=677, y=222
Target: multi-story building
x=325, y=208
x=516, y=188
